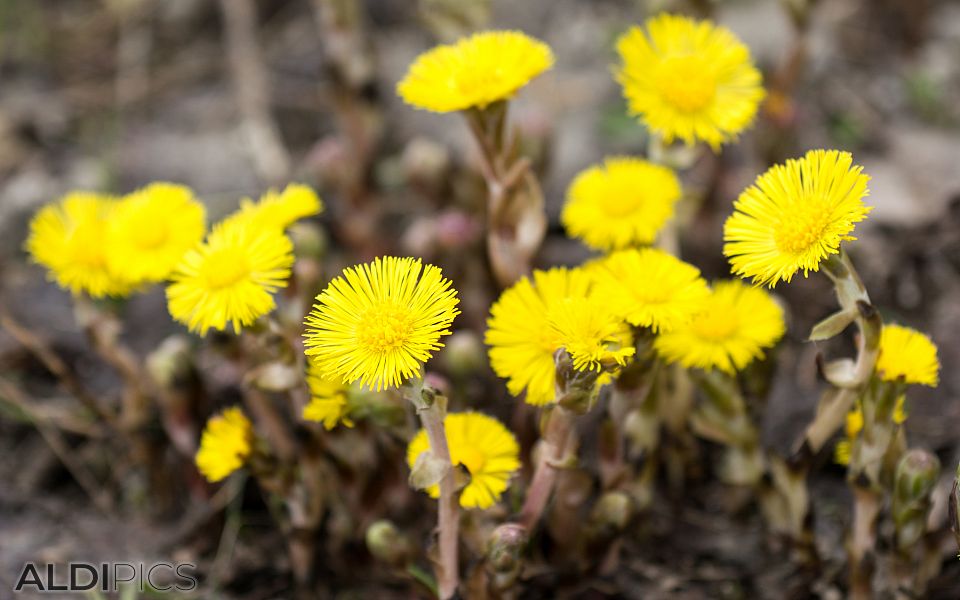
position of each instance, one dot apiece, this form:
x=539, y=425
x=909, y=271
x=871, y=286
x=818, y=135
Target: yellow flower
x=380, y=321
x=688, y=79
x=280, y=210
x=907, y=355
x=794, y=216
x=650, y=288
x=474, y=72
x=624, y=202
x=328, y=399
x=225, y=444
x=68, y=238
x=590, y=333
x=522, y=342
x=484, y=447
x=737, y=322
x=230, y=278
x=151, y=229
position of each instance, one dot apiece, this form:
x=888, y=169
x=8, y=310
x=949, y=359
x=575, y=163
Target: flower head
x=151, y=229
x=484, y=447
x=623, y=202
x=522, y=342
x=474, y=72
x=794, y=216
x=907, y=355
x=380, y=321
x=230, y=278
x=590, y=333
x=688, y=79
x=68, y=238
x=280, y=209
x=328, y=399
x=225, y=444
x=650, y=288
x=735, y=325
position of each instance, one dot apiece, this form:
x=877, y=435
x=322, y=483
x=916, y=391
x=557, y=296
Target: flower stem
x=557, y=439
x=516, y=222
x=432, y=410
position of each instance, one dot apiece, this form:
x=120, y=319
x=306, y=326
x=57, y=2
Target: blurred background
x=235, y=96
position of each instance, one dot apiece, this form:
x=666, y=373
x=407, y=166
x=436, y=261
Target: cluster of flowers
x=375, y=325
x=97, y=245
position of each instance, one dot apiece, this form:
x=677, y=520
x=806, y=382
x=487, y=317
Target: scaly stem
x=557, y=439
x=431, y=409
x=516, y=222
x=866, y=508
x=853, y=298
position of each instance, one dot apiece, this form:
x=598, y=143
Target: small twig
x=53, y=363
x=60, y=448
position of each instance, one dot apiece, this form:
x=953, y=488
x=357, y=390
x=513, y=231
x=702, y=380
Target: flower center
x=385, y=328
x=224, y=269
x=618, y=204
x=717, y=325
x=472, y=459
x=686, y=83
x=801, y=229
x=153, y=236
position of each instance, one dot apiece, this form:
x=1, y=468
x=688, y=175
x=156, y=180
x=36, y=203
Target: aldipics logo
x=106, y=577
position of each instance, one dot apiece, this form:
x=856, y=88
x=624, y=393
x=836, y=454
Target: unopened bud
x=387, y=544
x=170, y=362
x=309, y=240
x=612, y=512
x=916, y=476
x=505, y=554
x=463, y=353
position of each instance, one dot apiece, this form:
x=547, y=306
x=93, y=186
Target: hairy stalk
x=632, y=413
x=431, y=407
x=724, y=418
x=557, y=439
x=855, y=307
x=576, y=393
x=516, y=222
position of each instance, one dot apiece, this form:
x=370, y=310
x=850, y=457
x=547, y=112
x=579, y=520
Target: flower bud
x=463, y=353
x=915, y=479
x=505, y=554
x=387, y=544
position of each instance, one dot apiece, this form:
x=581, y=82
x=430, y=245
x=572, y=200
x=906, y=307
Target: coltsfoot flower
x=650, y=288
x=230, y=278
x=593, y=336
x=521, y=341
x=794, y=216
x=68, y=238
x=624, y=202
x=378, y=322
x=328, y=399
x=474, y=72
x=282, y=209
x=484, y=447
x=907, y=355
x=151, y=229
x=736, y=324
x=225, y=444
x=688, y=79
